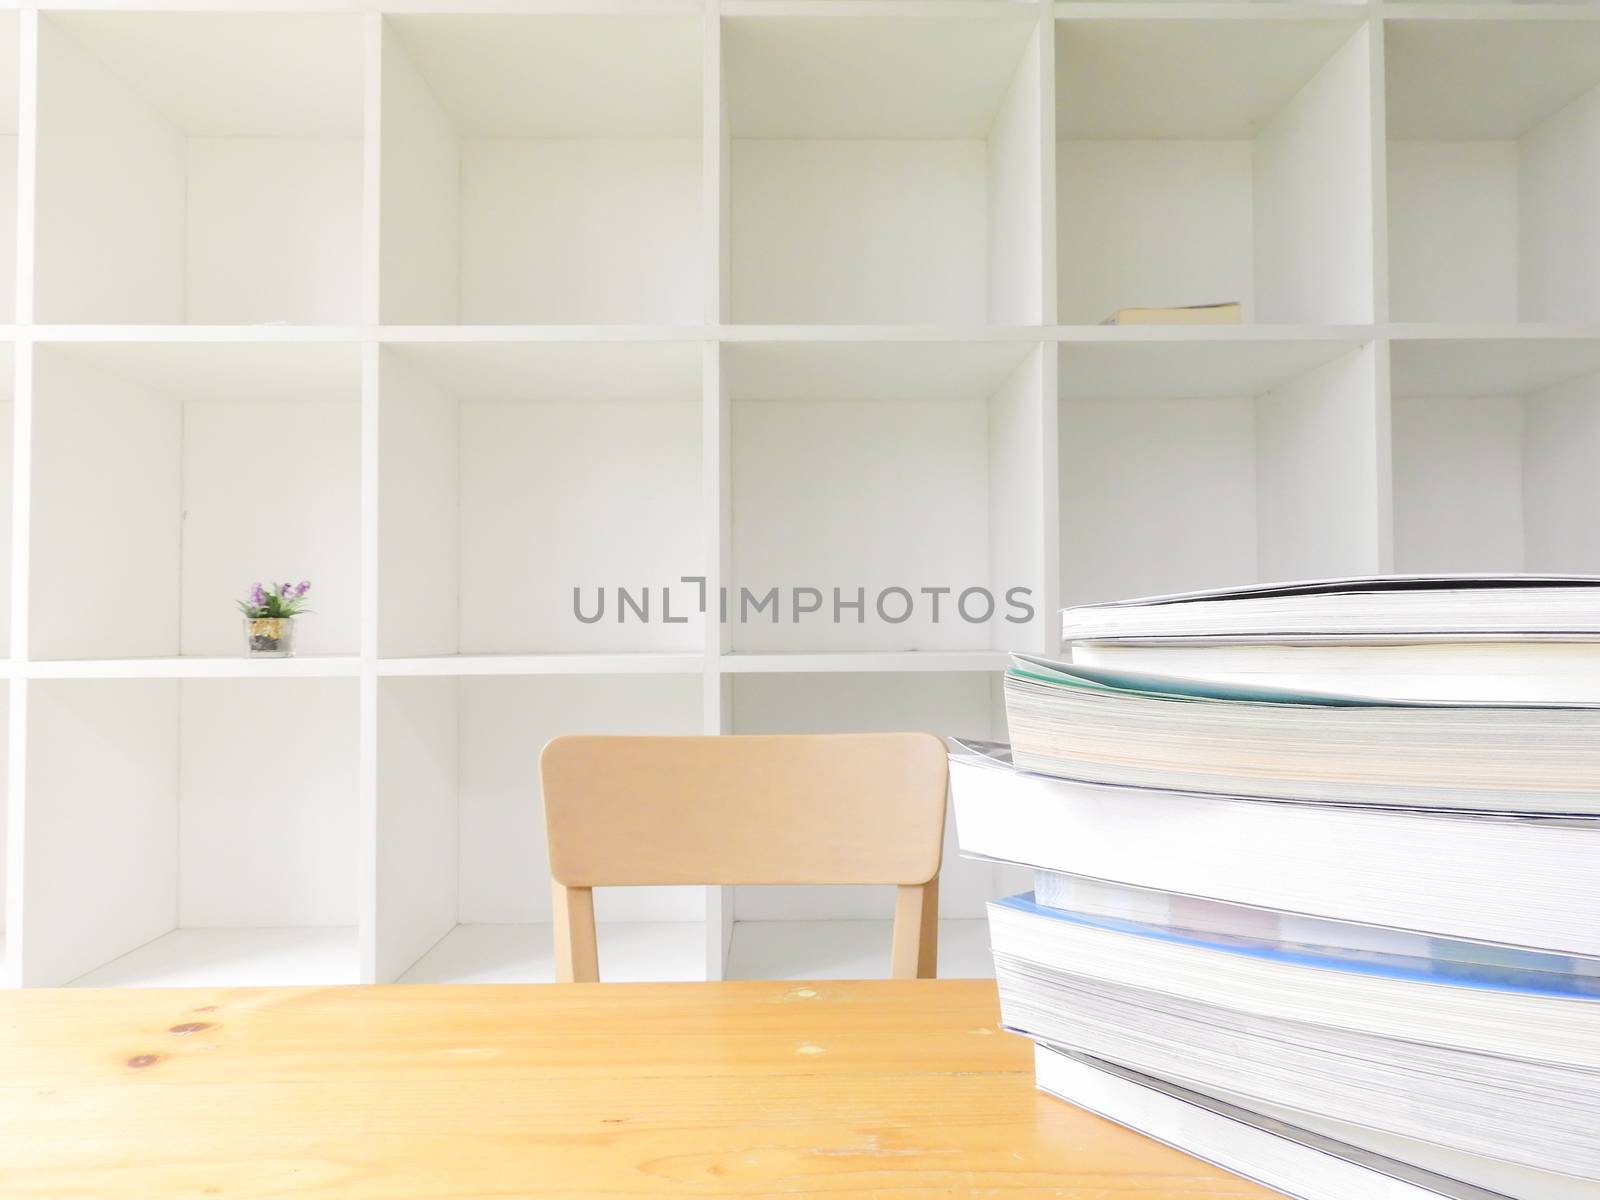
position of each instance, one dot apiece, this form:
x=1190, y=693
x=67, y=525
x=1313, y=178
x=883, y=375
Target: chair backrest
x=807, y=809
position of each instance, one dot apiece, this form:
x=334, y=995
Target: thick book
x=1537, y=1011
x=1229, y=313
x=1534, y=1114
x=1192, y=735
x=1421, y=872
x=1300, y=1155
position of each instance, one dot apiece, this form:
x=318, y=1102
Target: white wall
x=419, y=243
x=1453, y=231
x=581, y=230
x=1458, y=484
x=101, y=863
x=270, y=492
x=847, y=232
x=950, y=704
x=504, y=723
x=1313, y=188
x=267, y=803
x=273, y=230
x=419, y=522
x=111, y=195
x=557, y=495
x=1153, y=222
x=1561, y=497
x=1559, y=199
x=869, y=494
x=107, y=488
x=1013, y=200
x=418, y=844
x=1317, y=457
x=1156, y=496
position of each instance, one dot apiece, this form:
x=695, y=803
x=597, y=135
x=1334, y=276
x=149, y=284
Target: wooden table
x=902, y=1089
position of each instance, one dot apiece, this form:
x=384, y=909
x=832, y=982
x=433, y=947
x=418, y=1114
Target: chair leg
x=916, y=931
x=577, y=956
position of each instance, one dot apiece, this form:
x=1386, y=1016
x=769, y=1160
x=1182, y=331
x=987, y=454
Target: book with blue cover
x=1476, y=1049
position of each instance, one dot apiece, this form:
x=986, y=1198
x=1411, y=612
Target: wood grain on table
x=895, y=1088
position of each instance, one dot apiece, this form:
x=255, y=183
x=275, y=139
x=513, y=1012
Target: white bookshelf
x=794, y=293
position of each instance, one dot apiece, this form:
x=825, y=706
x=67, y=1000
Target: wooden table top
x=901, y=1089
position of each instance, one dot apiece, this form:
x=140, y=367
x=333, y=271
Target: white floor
x=848, y=950
x=234, y=958
x=643, y=952
x=665, y=950
x=629, y=953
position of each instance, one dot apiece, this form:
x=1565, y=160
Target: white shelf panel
x=878, y=333
x=272, y=334
x=865, y=661
x=1489, y=367
x=1486, y=79
x=630, y=952
x=869, y=370
x=808, y=72
x=497, y=372
x=234, y=958
x=1193, y=79
x=312, y=666
x=1401, y=331
x=1196, y=369
x=399, y=334
x=848, y=950
x=1249, y=332
x=543, y=664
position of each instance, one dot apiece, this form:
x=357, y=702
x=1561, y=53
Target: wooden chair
x=823, y=809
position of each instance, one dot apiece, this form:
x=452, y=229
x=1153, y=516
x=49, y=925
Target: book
x=1203, y=916
x=1214, y=737
x=1228, y=313
x=1534, y=1114
x=1421, y=872
x=1502, y=638
x=1536, y=1008
x=1404, y=608
x=1301, y=1155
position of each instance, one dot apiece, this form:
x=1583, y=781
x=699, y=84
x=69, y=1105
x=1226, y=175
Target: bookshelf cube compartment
x=1202, y=464
x=906, y=489
x=168, y=478
x=224, y=818
x=1205, y=161
x=1494, y=170
x=1494, y=451
x=883, y=169
x=542, y=169
x=463, y=883
x=953, y=704
x=199, y=168
x=530, y=487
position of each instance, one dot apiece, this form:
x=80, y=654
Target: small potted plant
x=269, y=613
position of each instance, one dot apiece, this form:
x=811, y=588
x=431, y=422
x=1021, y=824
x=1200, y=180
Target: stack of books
x=1316, y=879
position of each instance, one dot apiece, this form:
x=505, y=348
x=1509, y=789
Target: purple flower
x=302, y=588
x=258, y=597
